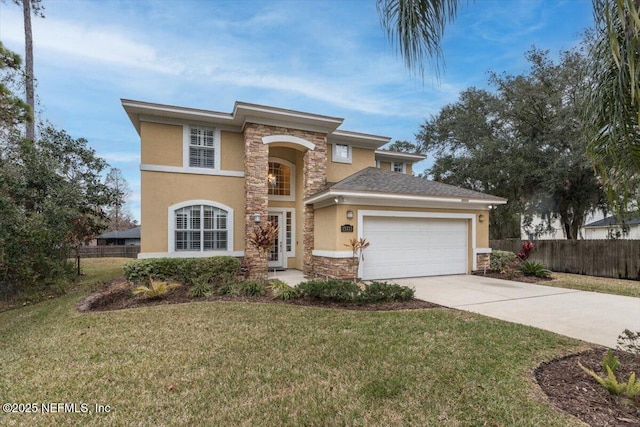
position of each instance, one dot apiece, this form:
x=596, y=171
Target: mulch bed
x=566, y=385
x=570, y=389
x=116, y=295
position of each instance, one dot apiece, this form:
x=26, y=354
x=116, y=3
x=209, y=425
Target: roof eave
x=333, y=193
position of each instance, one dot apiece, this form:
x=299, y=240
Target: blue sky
x=326, y=57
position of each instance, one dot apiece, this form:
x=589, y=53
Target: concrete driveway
x=589, y=316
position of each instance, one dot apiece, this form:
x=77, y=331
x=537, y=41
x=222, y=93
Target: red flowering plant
x=526, y=251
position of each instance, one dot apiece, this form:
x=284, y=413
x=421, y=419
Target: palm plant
x=613, y=107
x=416, y=28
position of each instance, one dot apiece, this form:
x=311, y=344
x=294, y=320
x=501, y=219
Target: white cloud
x=85, y=42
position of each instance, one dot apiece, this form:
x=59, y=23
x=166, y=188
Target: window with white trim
x=202, y=144
x=341, y=153
x=281, y=179
x=399, y=167
x=200, y=228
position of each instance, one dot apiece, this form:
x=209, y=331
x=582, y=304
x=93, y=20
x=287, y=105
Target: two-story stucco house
x=209, y=177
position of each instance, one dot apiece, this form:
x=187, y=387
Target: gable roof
x=613, y=221
x=132, y=233
x=379, y=181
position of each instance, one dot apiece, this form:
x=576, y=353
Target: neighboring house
x=208, y=178
x=130, y=237
x=610, y=228
x=553, y=231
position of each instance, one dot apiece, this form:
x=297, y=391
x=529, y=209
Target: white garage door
x=412, y=247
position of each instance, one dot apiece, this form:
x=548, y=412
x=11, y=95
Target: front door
x=276, y=255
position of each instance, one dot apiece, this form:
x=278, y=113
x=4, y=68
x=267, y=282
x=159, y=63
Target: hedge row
x=343, y=291
x=214, y=270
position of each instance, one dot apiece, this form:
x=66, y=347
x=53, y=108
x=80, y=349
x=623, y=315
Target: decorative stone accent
x=333, y=268
x=483, y=261
x=256, y=165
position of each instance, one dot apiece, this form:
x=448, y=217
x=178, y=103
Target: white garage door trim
x=406, y=214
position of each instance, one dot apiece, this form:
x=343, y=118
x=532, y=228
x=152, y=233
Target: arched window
x=281, y=179
x=200, y=227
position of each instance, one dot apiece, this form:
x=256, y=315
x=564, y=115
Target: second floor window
x=202, y=147
x=399, y=167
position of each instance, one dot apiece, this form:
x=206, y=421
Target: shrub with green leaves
x=500, y=260
x=329, y=290
x=385, y=292
x=200, y=289
x=281, y=290
x=610, y=364
x=155, y=289
x=250, y=288
x=347, y=291
x=536, y=269
x=214, y=270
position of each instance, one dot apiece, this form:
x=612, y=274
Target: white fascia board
x=382, y=154
x=356, y=139
x=359, y=198
x=137, y=108
x=261, y=114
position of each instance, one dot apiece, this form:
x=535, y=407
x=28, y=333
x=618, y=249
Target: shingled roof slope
x=612, y=220
x=132, y=233
x=379, y=180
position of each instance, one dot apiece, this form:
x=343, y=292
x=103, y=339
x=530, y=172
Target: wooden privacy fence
x=605, y=258
x=107, y=252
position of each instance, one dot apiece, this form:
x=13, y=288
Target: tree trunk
x=28, y=46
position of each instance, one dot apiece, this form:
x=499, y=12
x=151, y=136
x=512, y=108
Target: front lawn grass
x=629, y=288
x=228, y=363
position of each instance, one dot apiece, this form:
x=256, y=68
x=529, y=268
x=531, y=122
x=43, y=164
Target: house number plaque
x=347, y=228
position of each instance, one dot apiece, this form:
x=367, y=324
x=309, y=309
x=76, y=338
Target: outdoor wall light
x=256, y=218
x=349, y=214
x=481, y=217
x=338, y=199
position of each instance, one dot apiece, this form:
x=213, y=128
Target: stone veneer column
x=256, y=167
x=315, y=177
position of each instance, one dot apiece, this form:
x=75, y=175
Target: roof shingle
x=377, y=180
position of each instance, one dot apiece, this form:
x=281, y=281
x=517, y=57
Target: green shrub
x=384, y=292
x=214, y=270
x=500, y=260
x=200, y=289
x=347, y=291
x=530, y=268
x=250, y=288
x=631, y=388
x=156, y=289
x=283, y=291
x=329, y=290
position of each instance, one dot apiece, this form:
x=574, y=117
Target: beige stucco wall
x=329, y=219
x=161, y=190
x=409, y=169
x=360, y=158
x=161, y=144
x=385, y=165
x=231, y=151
